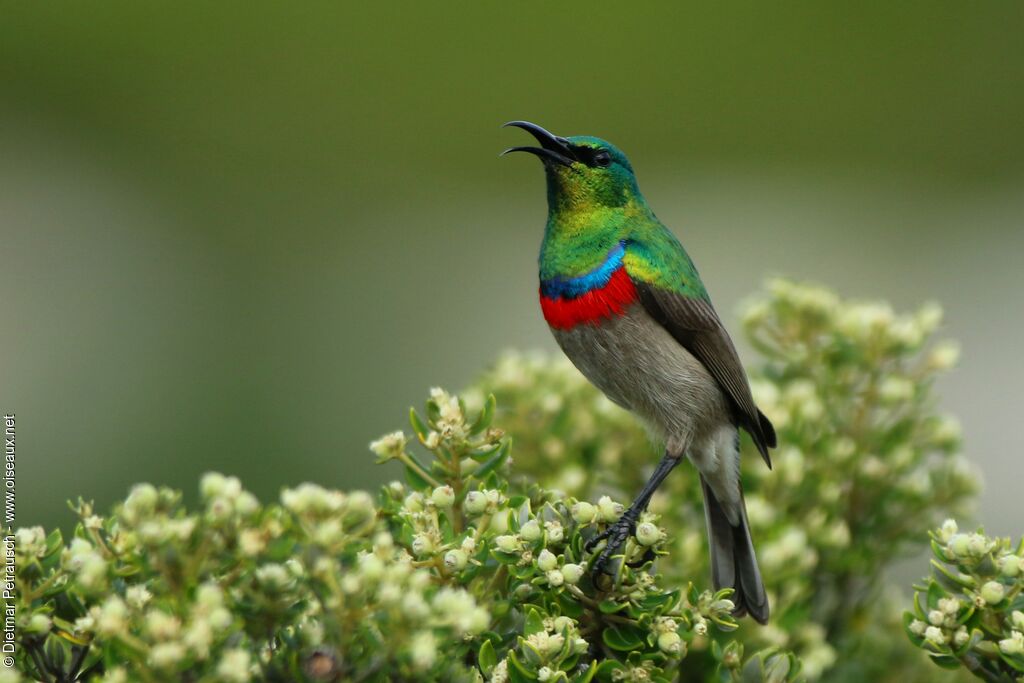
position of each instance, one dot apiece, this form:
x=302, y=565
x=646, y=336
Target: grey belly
x=638, y=365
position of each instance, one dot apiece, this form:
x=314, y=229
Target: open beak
x=552, y=148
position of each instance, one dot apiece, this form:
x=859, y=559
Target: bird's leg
x=617, y=533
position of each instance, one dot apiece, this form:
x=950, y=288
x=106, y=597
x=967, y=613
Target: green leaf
x=54, y=542
x=1016, y=663
x=623, y=637
x=605, y=671
x=950, y=579
x=655, y=600
x=496, y=460
x=415, y=480
x=569, y=605
x=486, y=657
x=418, y=425
x=609, y=606
x=482, y=454
x=485, y=417
x=517, y=671
x=935, y=593
x=946, y=661
x=534, y=623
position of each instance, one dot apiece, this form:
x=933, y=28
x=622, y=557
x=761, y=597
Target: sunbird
x=627, y=306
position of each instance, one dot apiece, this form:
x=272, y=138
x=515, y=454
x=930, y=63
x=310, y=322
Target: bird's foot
x=615, y=536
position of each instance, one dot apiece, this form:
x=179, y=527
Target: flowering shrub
x=474, y=569
x=456, y=575
x=970, y=612
x=865, y=464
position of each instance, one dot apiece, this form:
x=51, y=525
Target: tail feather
x=733, y=562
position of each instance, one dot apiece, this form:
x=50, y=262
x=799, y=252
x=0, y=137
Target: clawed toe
x=616, y=535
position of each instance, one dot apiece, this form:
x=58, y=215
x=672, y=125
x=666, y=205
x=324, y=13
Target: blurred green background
x=247, y=236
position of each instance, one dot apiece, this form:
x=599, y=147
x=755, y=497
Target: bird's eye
x=603, y=158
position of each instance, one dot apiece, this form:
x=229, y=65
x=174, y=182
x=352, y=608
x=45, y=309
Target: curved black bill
x=552, y=148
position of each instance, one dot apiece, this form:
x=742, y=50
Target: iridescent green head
x=583, y=172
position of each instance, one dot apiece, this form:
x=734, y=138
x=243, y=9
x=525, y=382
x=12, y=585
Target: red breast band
x=591, y=307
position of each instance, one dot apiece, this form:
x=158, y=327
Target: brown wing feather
x=695, y=325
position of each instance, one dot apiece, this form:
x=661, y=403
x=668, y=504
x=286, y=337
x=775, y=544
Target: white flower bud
x=948, y=529
x=648, y=534
x=546, y=561
x=389, y=446
x=209, y=596
x=572, y=573
x=1011, y=565
x=141, y=501
x=212, y=485
x=30, y=541
x=234, y=666
x=219, y=509
x=896, y=389
x=455, y=560
x=443, y=496
x=220, y=619
x=555, y=578
x=274, y=576
x=507, y=543
x=961, y=637
x=992, y=592
x=422, y=545
x=161, y=625
x=563, y=624
x=544, y=673
x=917, y=627
x=935, y=635
x=936, y=617
x=251, y=543
x=1017, y=617
x=583, y=512
x=413, y=502
x=166, y=655
x=670, y=643
x=475, y=503
x=111, y=617
x=949, y=605
x=609, y=510
x=555, y=531
x=943, y=356
x=137, y=596
x=361, y=503
x=246, y=504
x=199, y=637
x=414, y=606
x=1014, y=645
x=84, y=625
x=530, y=531
x=39, y=624
x=958, y=545
x=469, y=545
x=978, y=545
